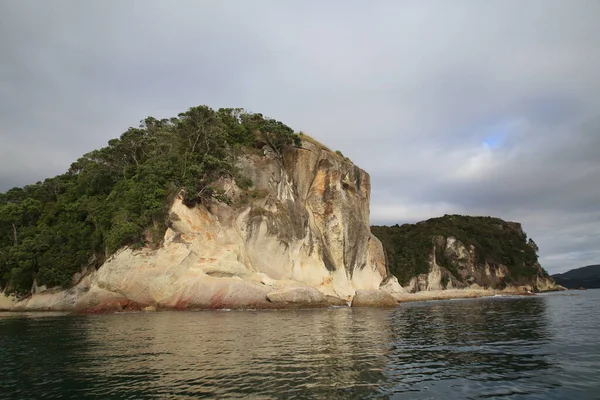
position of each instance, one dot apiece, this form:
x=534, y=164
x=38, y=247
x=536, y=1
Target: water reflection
x=454, y=349
x=336, y=353
x=35, y=355
x=490, y=346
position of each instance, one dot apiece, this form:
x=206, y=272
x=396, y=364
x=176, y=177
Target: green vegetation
x=314, y=141
x=119, y=195
x=585, y=277
x=339, y=153
x=408, y=247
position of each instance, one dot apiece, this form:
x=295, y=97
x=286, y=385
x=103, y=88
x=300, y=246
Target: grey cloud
x=410, y=91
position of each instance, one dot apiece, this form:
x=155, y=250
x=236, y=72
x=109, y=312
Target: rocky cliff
x=299, y=236
x=460, y=252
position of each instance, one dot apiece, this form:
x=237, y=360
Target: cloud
x=466, y=107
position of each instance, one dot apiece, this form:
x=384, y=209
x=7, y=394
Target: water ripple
x=534, y=347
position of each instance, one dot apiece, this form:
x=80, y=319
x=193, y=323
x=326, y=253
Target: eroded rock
x=298, y=297
x=303, y=224
x=373, y=298
x=335, y=301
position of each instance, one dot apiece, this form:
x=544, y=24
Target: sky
x=453, y=107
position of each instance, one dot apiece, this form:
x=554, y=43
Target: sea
x=545, y=346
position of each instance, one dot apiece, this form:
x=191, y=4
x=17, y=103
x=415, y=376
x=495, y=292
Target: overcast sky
x=469, y=107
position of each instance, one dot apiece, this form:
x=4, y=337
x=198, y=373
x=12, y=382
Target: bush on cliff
x=119, y=195
x=409, y=247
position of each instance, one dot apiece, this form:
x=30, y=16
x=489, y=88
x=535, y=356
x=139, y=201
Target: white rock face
x=393, y=288
x=307, y=296
x=373, y=298
x=7, y=302
x=304, y=224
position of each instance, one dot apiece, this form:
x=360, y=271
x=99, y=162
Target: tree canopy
x=408, y=247
x=119, y=195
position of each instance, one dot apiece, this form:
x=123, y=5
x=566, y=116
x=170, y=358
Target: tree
x=533, y=245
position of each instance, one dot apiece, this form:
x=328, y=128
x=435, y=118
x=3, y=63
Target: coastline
x=430, y=295
x=450, y=294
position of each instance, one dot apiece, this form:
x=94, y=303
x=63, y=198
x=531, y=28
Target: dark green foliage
x=119, y=195
x=408, y=247
x=585, y=277
x=275, y=133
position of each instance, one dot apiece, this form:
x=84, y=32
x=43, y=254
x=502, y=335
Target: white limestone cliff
x=299, y=236
x=468, y=273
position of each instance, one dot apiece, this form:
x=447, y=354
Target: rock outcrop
x=373, y=298
x=299, y=237
x=463, y=252
x=461, y=270
x=301, y=297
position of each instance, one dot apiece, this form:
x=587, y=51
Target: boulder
x=7, y=302
x=392, y=286
x=373, y=298
x=298, y=297
x=336, y=301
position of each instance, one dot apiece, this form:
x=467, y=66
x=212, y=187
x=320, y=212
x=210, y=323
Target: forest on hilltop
x=409, y=247
x=119, y=195
x=587, y=277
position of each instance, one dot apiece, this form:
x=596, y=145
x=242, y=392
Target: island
x=230, y=209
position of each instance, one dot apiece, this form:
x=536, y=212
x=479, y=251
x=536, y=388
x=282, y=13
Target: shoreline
x=432, y=295
x=451, y=294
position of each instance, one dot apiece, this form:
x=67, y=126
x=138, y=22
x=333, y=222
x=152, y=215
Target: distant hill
x=587, y=277
x=459, y=251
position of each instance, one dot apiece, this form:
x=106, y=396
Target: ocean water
x=538, y=347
